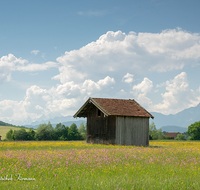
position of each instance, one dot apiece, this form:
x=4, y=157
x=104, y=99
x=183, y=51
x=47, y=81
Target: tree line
x=193, y=133
x=62, y=132
x=156, y=134
x=48, y=132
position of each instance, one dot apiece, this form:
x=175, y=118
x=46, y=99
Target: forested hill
x=8, y=124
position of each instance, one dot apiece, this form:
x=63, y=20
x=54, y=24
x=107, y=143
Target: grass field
x=5, y=129
x=77, y=165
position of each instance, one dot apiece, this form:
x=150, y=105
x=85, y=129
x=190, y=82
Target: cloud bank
x=9, y=63
x=109, y=67
x=116, y=52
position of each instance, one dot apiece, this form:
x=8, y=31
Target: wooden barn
x=115, y=121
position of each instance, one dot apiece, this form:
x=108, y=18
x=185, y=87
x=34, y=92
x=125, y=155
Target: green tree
x=82, y=130
x=160, y=134
x=9, y=135
x=73, y=133
x=180, y=137
x=61, y=131
x=45, y=132
x=58, y=129
x=153, y=131
x=194, y=131
x=31, y=134
x=20, y=134
x=185, y=135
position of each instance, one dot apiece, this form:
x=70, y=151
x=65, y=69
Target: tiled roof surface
x=171, y=134
x=122, y=107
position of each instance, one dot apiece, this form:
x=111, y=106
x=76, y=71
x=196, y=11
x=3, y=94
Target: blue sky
x=56, y=54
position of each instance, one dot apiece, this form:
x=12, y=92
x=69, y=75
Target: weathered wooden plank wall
x=121, y=130
x=100, y=129
x=132, y=131
x=111, y=129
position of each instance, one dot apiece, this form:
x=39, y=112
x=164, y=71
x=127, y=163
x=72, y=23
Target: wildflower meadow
x=78, y=165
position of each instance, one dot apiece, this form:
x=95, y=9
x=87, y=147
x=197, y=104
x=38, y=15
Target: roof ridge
x=112, y=98
x=114, y=106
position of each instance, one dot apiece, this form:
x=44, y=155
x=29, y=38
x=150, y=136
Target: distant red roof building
x=172, y=135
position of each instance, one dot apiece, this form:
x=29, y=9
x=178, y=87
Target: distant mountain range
x=68, y=123
x=174, y=129
x=170, y=123
x=181, y=120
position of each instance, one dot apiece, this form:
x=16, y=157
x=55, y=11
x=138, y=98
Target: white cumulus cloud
x=35, y=52
x=63, y=99
x=140, y=92
x=10, y=63
x=145, y=86
x=178, y=95
x=101, y=69
x=117, y=52
x=128, y=78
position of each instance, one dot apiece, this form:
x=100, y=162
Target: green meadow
x=78, y=165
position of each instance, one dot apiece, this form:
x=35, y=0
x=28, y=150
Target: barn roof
x=118, y=107
x=171, y=134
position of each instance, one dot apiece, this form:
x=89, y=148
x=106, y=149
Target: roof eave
x=99, y=107
x=90, y=100
x=151, y=116
x=80, y=109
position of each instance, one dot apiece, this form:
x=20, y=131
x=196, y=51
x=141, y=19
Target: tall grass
x=77, y=165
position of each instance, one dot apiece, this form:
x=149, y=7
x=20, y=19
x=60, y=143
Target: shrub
x=166, y=137
x=9, y=135
x=20, y=134
x=180, y=137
